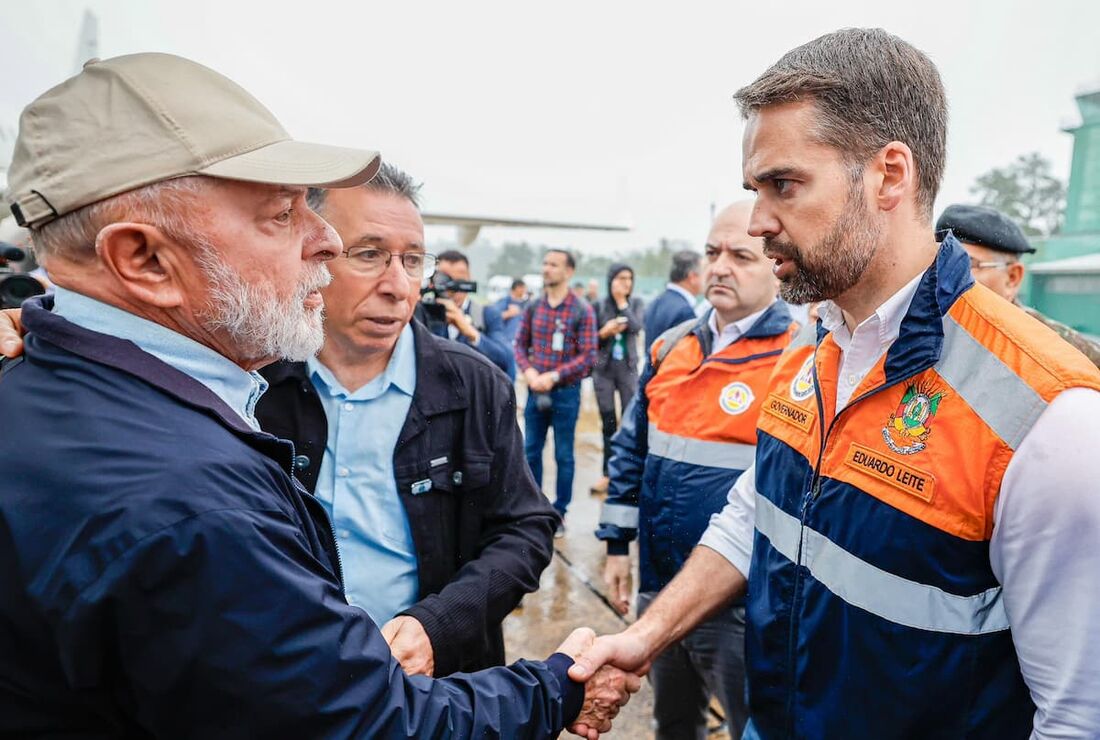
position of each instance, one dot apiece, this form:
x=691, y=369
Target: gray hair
x=869, y=88
x=167, y=205
x=683, y=264
x=389, y=179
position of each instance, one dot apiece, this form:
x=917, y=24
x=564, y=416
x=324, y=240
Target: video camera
x=440, y=285
x=15, y=287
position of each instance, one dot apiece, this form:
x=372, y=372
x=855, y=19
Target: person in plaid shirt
x=555, y=349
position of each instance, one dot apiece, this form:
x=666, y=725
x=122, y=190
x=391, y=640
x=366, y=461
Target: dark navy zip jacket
x=162, y=574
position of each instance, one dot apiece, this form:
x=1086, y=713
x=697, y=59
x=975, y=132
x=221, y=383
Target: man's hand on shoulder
x=410, y=645
x=11, y=332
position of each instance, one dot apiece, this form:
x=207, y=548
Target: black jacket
x=483, y=533
x=634, y=313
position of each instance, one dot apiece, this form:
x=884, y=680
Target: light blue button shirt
x=239, y=389
x=356, y=483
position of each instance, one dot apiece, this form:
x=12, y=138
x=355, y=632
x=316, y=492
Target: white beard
x=256, y=320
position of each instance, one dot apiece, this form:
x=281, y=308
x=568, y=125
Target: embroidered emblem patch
x=736, y=398
x=802, y=387
x=907, y=429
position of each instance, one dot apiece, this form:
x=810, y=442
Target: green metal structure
x=1064, y=273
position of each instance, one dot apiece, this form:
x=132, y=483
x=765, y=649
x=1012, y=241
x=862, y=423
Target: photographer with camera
x=458, y=316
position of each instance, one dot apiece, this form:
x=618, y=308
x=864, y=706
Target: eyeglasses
x=976, y=264
x=375, y=261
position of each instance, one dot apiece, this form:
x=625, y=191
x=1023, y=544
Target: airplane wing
x=469, y=226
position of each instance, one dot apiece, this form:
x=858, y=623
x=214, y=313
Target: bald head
x=738, y=277
x=734, y=220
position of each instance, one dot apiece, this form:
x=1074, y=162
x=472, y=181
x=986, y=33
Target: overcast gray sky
x=593, y=111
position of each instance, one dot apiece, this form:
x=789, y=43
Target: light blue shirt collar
x=400, y=372
x=238, y=388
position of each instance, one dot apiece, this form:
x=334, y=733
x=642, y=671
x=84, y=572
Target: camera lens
x=14, y=289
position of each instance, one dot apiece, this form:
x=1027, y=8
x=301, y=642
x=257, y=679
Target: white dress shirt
x=1045, y=549
x=732, y=331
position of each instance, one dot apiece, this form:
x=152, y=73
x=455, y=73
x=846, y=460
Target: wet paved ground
x=571, y=590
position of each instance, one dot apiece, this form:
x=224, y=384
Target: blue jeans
x=563, y=418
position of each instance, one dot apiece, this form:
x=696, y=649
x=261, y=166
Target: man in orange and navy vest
x=919, y=529
x=689, y=435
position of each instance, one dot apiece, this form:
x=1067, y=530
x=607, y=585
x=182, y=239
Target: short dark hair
x=518, y=283
x=870, y=88
x=569, y=261
x=452, y=255
x=389, y=179
x=684, y=263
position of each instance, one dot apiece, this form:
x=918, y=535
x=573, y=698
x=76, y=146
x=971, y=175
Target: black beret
x=985, y=226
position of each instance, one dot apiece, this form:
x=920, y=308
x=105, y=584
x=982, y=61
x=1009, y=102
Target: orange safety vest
x=691, y=433
x=873, y=610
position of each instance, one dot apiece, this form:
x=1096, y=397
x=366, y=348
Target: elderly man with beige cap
x=161, y=571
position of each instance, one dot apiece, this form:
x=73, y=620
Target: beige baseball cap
x=135, y=120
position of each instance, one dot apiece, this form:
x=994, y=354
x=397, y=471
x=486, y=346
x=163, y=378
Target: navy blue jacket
x=162, y=574
x=492, y=347
x=501, y=329
x=667, y=310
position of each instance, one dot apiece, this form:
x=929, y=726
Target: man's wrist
x=555, y=376
x=618, y=547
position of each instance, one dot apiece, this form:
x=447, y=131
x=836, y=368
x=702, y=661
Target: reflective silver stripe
x=805, y=336
x=727, y=455
x=1004, y=401
x=620, y=515
x=877, y=591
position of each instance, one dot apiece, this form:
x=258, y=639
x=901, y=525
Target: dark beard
x=839, y=259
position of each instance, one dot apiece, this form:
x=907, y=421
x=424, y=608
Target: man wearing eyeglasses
x=411, y=442
x=995, y=243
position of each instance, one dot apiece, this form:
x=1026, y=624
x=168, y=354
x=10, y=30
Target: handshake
x=610, y=667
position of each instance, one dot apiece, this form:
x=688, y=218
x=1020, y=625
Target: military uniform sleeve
x=1044, y=553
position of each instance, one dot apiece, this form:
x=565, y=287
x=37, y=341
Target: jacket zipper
x=336, y=548
x=807, y=499
x=331, y=526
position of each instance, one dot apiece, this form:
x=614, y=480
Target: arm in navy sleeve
x=619, y=517
x=523, y=341
x=495, y=350
x=494, y=324
x=225, y=624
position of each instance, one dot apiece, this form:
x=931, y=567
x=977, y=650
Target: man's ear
x=1015, y=274
x=144, y=261
x=897, y=175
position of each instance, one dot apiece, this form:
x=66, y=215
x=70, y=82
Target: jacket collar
x=124, y=355
x=773, y=322
x=920, y=340
x=439, y=387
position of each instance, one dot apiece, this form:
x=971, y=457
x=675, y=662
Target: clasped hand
x=606, y=687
